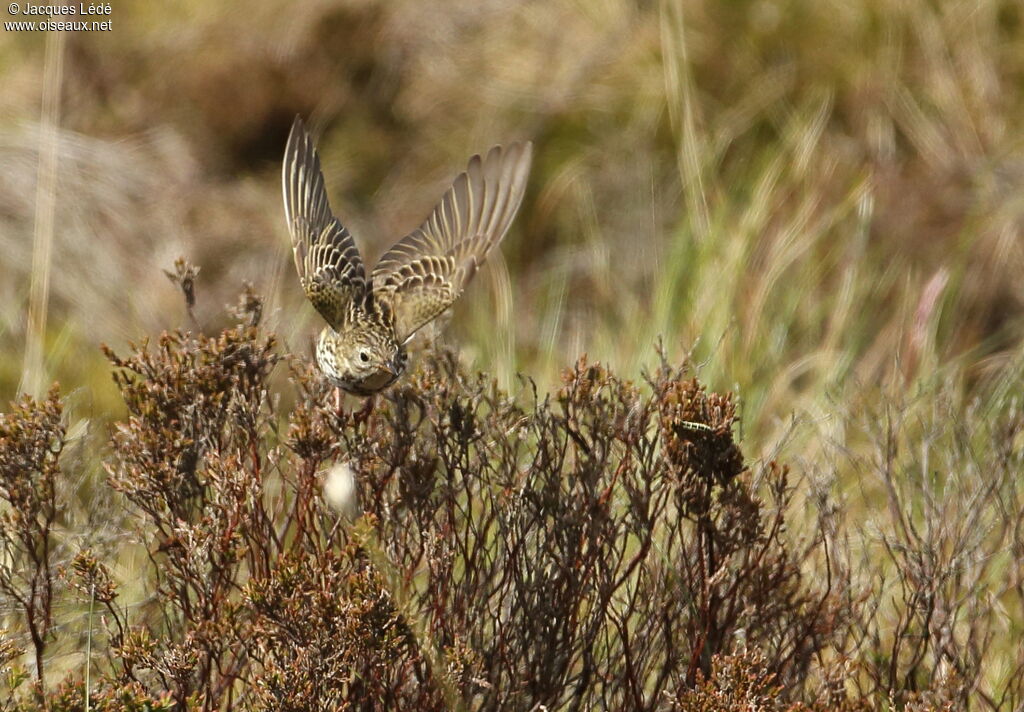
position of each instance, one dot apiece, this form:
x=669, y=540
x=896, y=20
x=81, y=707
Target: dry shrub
x=941, y=613
x=596, y=549
x=603, y=547
x=32, y=437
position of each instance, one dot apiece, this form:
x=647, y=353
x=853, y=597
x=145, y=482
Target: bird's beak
x=395, y=367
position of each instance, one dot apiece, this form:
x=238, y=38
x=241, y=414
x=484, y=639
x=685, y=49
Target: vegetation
x=812, y=206
x=605, y=546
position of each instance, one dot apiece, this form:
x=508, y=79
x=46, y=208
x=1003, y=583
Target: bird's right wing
x=326, y=257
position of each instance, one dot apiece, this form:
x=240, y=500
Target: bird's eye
x=363, y=356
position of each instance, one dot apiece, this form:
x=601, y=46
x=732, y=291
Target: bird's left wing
x=425, y=271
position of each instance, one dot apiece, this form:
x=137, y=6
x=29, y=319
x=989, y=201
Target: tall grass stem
x=34, y=365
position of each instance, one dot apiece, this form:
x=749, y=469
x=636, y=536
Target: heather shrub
x=605, y=546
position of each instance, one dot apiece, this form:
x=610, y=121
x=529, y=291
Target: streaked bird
x=371, y=318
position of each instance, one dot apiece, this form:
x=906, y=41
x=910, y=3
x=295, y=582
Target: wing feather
x=426, y=271
x=326, y=257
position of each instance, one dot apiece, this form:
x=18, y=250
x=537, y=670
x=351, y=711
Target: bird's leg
x=364, y=412
x=337, y=401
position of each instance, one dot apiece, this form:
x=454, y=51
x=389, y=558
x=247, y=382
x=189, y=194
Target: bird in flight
x=372, y=317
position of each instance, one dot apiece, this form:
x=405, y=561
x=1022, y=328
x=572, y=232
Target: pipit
x=371, y=320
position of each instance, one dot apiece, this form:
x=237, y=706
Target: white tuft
x=340, y=489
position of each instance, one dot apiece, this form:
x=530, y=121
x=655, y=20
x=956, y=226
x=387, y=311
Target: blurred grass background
x=820, y=202
x=809, y=197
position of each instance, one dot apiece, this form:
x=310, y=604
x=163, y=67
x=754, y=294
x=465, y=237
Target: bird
x=372, y=315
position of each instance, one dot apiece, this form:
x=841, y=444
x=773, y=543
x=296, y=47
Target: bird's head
x=361, y=360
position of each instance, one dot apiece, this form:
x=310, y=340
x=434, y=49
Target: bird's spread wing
x=425, y=271
x=326, y=257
